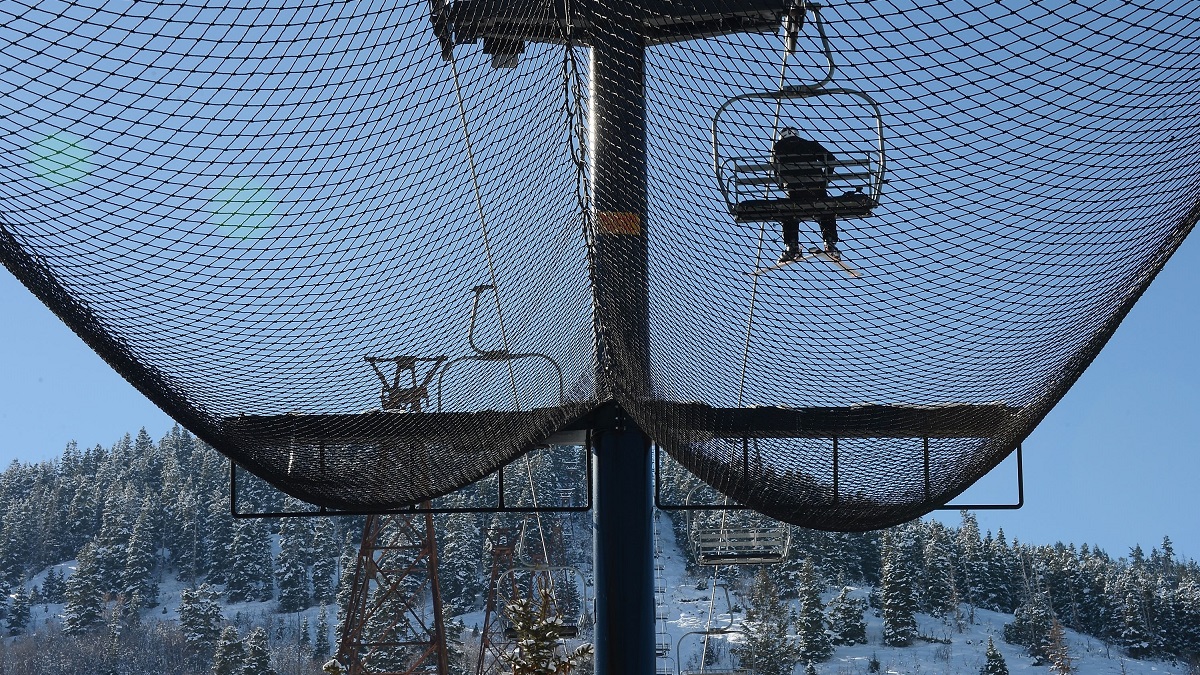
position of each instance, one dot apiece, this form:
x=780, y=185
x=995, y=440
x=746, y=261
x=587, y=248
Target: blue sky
x=1114, y=464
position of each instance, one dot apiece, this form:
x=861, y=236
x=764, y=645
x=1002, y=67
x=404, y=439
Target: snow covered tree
x=845, y=619
x=537, y=628
x=1031, y=625
x=767, y=647
x=138, y=575
x=84, y=599
x=295, y=551
x=810, y=669
x=217, y=544
x=200, y=617
x=120, y=512
x=258, y=654
x=938, y=590
x=995, y=664
x=249, y=575
x=970, y=559
x=896, y=595
x=811, y=639
x=304, y=640
x=1133, y=635
x=321, y=644
x=230, y=656
x=458, y=563
x=18, y=612
x=325, y=561
x=54, y=588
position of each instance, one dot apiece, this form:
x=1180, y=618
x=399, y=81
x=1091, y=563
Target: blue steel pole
x=624, y=546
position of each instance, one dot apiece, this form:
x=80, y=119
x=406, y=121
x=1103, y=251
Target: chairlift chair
x=494, y=355
x=732, y=544
x=754, y=186
x=570, y=626
x=707, y=670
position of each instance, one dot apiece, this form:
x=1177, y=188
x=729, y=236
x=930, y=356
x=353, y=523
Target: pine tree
x=811, y=638
x=258, y=654
x=217, y=544
x=1059, y=655
x=995, y=664
x=321, y=644
x=249, y=575
x=325, y=561
x=810, y=669
x=938, y=589
x=1031, y=625
x=896, y=596
x=120, y=512
x=295, y=550
x=970, y=553
x=138, y=576
x=54, y=588
x=846, y=623
x=537, y=628
x=1133, y=634
x=84, y=600
x=458, y=563
x=200, y=618
x=767, y=648
x=230, y=656
x=304, y=640
x=18, y=612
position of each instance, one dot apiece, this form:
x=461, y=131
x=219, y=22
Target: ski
x=814, y=253
x=780, y=265
x=835, y=260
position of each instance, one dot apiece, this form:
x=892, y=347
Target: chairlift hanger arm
x=491, y=355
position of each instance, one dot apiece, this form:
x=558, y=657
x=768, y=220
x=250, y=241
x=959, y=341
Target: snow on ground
x=688, y=609
x=687, y=604
x=244, y=615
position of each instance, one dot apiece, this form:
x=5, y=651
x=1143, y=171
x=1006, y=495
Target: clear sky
x=1115, y=464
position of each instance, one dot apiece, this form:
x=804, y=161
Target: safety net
x=374, y=251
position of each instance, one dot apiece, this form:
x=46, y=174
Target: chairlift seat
x=741, y=546
x=852, y=205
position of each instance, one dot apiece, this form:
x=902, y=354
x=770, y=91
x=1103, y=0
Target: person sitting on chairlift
x=803, y=167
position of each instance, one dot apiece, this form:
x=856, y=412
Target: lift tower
x=618, y=33
x=394, y=623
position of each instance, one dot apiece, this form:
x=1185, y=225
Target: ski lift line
x=766, y=193
x=500, y=507
x=487, y=244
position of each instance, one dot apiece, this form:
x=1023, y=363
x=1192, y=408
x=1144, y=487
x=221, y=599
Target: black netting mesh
x=238, y=204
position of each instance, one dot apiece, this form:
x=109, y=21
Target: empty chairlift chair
x=739, y=537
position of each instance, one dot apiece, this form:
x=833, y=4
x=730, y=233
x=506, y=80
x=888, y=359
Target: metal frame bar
x=661, y=505
x=500, y=507
x=997, y=507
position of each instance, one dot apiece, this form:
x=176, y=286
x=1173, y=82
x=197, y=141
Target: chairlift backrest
x=741, y=545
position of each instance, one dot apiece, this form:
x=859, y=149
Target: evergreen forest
x=126, y=560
